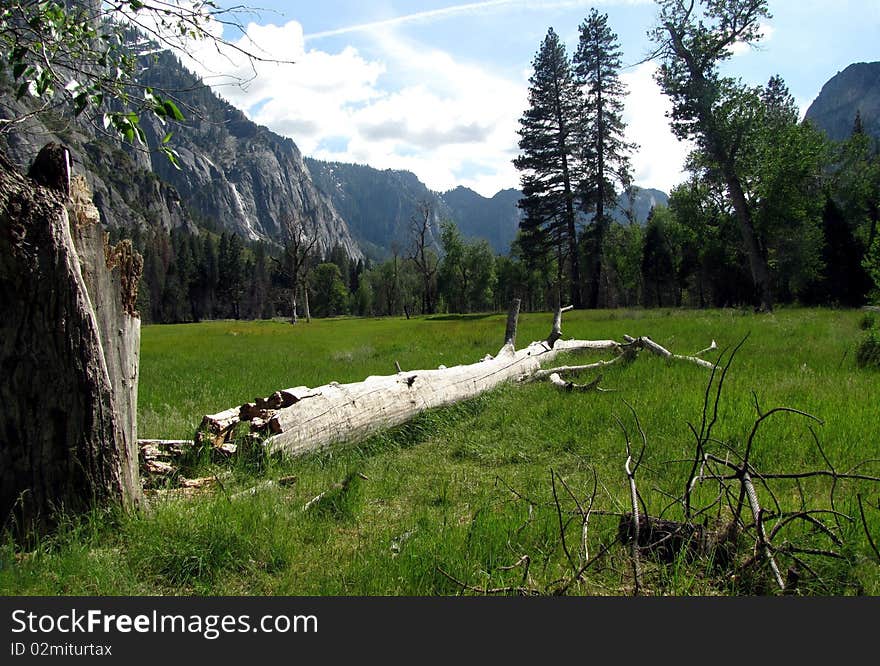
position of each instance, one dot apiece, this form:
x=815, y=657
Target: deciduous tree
x=693, y=39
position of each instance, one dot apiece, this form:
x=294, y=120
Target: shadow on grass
x=460, y=317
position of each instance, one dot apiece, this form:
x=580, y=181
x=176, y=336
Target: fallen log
x=301, y=420
x=340, y=412
x=218, y=428
x=347, y=412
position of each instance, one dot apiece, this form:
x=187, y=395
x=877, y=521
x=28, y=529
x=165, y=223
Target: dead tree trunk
x=69, y=345
x=300, y=420
x=308, y=310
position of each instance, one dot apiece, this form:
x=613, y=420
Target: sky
x=437, y=87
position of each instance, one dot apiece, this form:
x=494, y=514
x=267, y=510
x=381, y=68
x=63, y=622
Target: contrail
x=412, y=18
x=471, y=7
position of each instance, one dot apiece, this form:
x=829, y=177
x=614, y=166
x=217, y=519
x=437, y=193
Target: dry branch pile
x=751, y=530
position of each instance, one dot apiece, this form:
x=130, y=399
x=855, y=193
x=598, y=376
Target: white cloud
x=450, y=122
x=743, y=48
x=659, y=160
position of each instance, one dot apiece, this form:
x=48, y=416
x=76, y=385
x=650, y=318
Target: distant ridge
x=378, y=206
x=855, y=89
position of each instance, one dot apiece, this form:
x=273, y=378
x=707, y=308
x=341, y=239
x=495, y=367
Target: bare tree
x=295, y=262
x=426, y=260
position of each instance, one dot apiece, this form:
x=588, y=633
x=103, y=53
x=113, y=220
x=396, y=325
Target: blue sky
x=437, y=86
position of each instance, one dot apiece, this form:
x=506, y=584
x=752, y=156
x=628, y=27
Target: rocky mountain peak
x=855, y=89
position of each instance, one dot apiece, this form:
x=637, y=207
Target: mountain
x=855, y=89
x=378, y=205
x=645, y=200
x=496, y=219
x=126, y=193
x=234, y=176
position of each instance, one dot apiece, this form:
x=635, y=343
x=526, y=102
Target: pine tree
x=858, y=127
x=605, y=150
x=550, y=163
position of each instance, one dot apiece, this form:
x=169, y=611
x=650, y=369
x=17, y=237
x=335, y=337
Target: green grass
x=467, y=490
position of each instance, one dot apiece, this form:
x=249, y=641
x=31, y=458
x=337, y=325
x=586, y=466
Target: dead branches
x=560, y=383
x=556, y=331
x=510, y=328
x=737, y=527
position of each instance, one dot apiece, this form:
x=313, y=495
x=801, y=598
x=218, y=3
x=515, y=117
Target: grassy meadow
x=475, y=498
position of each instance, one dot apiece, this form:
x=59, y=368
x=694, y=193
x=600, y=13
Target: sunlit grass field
x=452, y=502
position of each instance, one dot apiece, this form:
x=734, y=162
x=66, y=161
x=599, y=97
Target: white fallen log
x=218, y=428
x=650, y=345
x=563, y=369
x=310, y=419
x=346, y=412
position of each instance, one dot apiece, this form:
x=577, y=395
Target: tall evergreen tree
x=550, y=162
x=231, y=274
x=605, y=150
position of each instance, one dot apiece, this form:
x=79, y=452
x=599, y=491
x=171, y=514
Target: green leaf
x=172, y=110
x=80, y=102
x=166, y=138
x=172, y=156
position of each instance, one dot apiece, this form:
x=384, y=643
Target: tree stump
x=69, y=348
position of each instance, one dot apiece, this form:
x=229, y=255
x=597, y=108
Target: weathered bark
x=302, y=420
x=654, y=348
x=512, y=319
x=556, y=331
x=556, y=380
x=69, y=340
x=158, y=457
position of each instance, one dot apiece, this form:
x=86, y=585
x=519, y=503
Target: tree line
x=819, y=235
x=771, y=211
x=192, y=277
